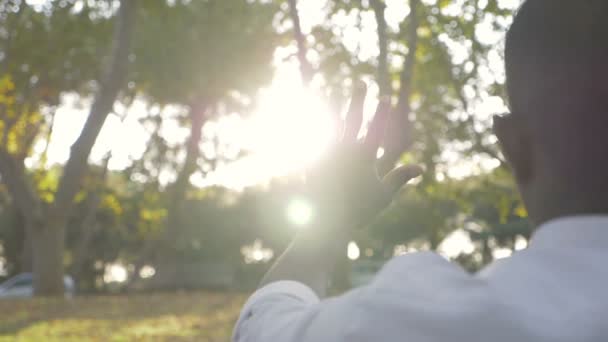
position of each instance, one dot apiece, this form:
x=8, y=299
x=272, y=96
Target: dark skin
x=555, y=139
x=551, y=187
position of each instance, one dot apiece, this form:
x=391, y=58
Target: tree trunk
x=164, y=253
x=179, y=188
x=90, y=228
x=27, y=205
x=48, y=243
x=27, y=253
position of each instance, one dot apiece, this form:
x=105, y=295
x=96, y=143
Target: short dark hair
x=556, y=55
x=556, y=58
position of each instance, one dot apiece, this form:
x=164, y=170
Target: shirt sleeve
x=290, y=311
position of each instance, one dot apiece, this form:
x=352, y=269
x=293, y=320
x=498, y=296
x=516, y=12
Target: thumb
x=395, y=179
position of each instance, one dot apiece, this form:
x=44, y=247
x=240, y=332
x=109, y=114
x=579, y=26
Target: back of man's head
x=557, y=80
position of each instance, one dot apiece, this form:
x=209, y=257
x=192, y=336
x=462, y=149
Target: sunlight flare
x=290, y=128
x=292, y=125
x=299, y=212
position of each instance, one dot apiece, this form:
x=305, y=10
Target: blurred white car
x=22, y=286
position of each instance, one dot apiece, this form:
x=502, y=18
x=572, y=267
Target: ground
x=196, y=316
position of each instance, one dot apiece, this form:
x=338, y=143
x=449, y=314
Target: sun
x=299, y=212
x=289, y=129
x=292, y=126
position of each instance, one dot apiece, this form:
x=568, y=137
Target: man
x=556, y=140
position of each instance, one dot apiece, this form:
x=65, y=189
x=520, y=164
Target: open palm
x=346, y=185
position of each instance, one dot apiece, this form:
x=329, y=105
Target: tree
x=45, y=222
x=306, y=70
x=195, y=61
x=225, y=53
x=399, y=137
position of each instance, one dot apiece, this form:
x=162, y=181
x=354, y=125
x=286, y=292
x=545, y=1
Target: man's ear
x=516, y=143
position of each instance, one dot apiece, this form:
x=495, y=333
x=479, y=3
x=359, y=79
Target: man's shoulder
x=427, y=281
x=421, y=267
x=422, y=295
x=428, y=275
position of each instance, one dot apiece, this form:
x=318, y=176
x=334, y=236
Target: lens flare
x=299, y=212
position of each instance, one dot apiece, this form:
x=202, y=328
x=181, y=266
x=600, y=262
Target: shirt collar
x=586, y=231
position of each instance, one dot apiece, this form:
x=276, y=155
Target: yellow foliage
x=46, y=184
x=7, y=98
x=151, y=220
x=80, y=196
x=47, y=197
x=521, y=211
x=18, y=119
x=6, y=84
x=152, y=215
x=112, y=203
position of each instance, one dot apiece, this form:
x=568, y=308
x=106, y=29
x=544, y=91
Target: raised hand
x=348, y=193
x=346, y=185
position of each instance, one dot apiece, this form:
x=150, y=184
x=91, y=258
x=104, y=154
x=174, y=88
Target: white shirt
x=556, y=290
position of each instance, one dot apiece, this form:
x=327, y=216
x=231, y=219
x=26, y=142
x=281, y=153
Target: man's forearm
x=310, y=258
x=348, y=193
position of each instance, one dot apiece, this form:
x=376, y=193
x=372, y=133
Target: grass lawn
x=195, y=316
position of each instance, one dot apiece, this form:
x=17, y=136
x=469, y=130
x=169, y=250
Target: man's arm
x=347, y=193
x=310, y=258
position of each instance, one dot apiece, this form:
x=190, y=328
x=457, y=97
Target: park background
x=154, y=150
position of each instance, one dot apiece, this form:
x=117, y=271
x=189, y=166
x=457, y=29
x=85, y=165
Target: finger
x=395, y=179
x=377, y=128
x=354, y=117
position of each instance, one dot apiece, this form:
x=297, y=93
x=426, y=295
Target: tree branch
x=12, y=24
x=197, y=113
x=458, y=86
x=400, y=129
x=15, y=179
x=49, y=135
x=111, y=83
x=148, y=253
x=90, y=226
x=470, y=121
x=306, y=69
x=384, y=82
